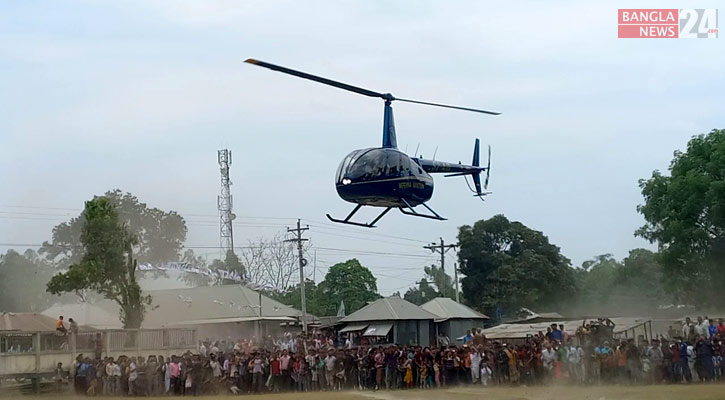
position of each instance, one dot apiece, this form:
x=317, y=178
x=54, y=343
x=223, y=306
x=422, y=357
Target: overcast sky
x=139, y=95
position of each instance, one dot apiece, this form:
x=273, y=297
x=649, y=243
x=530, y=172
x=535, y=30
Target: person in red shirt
x=276, y=371
x=720, y=328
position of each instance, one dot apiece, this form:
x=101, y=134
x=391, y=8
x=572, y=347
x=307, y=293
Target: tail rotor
x=476, y=163
x=488, y=168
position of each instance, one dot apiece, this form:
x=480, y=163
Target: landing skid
x=407, y=210
x=417, y=214
x=365, y=225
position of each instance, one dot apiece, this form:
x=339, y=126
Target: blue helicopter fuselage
x=381, y=177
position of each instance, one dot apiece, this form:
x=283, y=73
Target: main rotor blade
x=315, y=78
x=448, y=106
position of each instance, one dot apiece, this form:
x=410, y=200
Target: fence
x=38, y=352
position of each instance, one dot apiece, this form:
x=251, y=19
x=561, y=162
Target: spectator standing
x=656, y=358
x=467, y=338
x=688, y=330
x=574, y=363
x=285, y=368
x=475, y=360
x=555, y=334
x=330, y=364
x=111, y=385
x=548, y=356
x=684, y=366
x=702, y=328
x=704, y=354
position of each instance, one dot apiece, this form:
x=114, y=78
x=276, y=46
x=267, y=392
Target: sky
x=140, y=95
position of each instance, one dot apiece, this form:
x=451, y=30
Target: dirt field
x=662, y=392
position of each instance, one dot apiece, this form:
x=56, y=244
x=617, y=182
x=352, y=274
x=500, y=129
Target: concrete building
x=392, y=320
x=453, y=319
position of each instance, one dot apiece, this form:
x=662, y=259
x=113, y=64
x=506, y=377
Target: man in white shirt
x=132, y=376
x=216, y=369
x=330, y=363
x=475, y=364
x=702, y=327
x=574, y=358
x=688, y=329
x=112, y=380
x=548, y=356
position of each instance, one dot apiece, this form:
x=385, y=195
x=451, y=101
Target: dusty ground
x=662, y=392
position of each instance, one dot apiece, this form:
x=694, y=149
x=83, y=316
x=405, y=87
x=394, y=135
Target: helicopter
x=385, y=176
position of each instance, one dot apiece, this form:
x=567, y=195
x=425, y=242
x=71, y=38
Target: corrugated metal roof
x=26, y=322
x=100, y=315
x=521, y=330
x=211, y=303
x=176, y=306
x=231, y=320
x=389, y=309
x=445, y=308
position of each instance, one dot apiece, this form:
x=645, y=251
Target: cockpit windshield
x=362, y=165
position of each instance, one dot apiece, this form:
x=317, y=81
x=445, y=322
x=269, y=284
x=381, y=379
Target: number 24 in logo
x=698, y=23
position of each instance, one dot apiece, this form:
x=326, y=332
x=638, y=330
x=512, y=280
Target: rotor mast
x=390, y=141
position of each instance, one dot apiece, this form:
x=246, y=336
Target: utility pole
x=441, y=249
x=298, y=232
x=455, y=274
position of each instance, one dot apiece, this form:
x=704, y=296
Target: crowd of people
x=318, y=362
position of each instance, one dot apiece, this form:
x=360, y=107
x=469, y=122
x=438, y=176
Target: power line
x=366, y=239
x=371, y=252
x=330, y=226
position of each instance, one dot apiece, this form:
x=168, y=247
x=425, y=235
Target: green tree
x=160, y=234
x=596, y=279
x=350, y=282
x=22, y=282
x=316, y=303
x=107, y=266
x=435, y=284
x=232, y=264
x=633, y=285
x=509, y=265
x=685, y=215
x=421, y=294
x=641, y=273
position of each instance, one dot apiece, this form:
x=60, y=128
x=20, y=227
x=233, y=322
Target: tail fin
x=476, y=163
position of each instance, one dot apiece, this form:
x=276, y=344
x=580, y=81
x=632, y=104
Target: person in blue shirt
x=556, y=334
x=467, y=338
x=712, y=329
